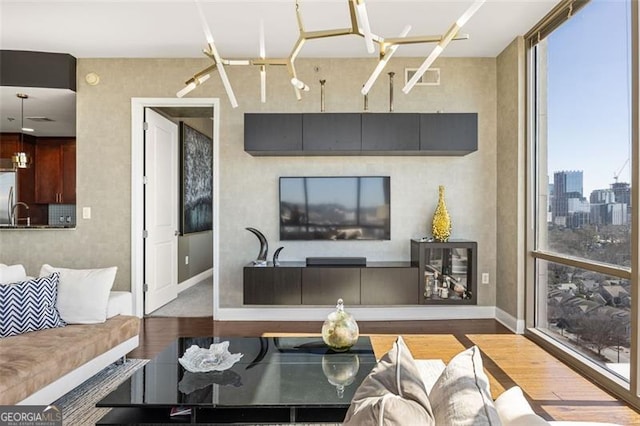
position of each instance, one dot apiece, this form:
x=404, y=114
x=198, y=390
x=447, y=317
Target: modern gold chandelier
x=360, y=26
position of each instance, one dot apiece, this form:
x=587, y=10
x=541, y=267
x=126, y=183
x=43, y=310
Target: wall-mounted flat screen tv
x=335, y=208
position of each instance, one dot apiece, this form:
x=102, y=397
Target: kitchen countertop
x=34, y=227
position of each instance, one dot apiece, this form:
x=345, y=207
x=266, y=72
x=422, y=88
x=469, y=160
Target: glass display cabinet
x=448, y=271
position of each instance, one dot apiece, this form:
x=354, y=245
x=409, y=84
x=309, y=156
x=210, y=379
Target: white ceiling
x=171, y=29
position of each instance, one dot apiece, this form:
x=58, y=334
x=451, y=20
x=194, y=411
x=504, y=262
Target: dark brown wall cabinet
x=272, y=286
x=361, y=134
x=293, y=283
x=55, y=167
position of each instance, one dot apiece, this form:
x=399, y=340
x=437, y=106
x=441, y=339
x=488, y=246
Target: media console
x=295, y=283
x=369, y=283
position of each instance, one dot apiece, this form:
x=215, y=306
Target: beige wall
x=510, y=191
x=249, y=194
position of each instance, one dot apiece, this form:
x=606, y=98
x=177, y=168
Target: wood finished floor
x=555, y=391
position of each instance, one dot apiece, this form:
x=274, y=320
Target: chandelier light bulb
x=188, y=88
x=363, y=19
x=299, y=84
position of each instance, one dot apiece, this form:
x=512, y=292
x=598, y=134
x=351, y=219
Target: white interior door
x=160, y=211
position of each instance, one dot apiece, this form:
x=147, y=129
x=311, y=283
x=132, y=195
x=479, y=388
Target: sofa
x=58, y=330
x=401, y=390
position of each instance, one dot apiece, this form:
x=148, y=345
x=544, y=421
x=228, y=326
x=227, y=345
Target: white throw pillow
x=461, y=395
x=10, y=274
x=514, y=409
x=83, y=294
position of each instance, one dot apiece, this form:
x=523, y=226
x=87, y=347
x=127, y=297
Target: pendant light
x=21, y=159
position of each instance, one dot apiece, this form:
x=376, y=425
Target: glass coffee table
x=278, y=380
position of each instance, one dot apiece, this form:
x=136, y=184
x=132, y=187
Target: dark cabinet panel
x=457, y=268
x=324, y=286
x=55, y=175
x=272, y=286
x=449, y=133
x=389, y=286
x=48, y=173
x=68, y=173
x=273, y=134
x=326, y=133
x=390, y=132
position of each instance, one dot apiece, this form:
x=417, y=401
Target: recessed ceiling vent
x=39, y=119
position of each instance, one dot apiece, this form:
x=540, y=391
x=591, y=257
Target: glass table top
x=273, y=372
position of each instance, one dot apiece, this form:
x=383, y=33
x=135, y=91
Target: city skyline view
x=588, y=97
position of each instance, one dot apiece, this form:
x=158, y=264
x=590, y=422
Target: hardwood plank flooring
x=555, y=391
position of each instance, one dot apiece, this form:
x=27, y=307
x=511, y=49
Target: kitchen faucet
x=12, y=214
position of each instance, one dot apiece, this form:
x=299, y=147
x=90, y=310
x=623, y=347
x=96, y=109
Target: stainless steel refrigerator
x=7, y=194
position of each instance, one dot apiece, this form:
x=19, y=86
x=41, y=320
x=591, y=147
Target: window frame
x=628, y=391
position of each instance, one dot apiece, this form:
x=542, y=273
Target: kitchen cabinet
x=55, y=167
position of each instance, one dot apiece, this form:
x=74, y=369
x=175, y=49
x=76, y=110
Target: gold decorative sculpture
x=441, y=225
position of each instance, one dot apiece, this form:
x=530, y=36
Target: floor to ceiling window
x=580, y=63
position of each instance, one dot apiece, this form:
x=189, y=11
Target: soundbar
x=336, y=261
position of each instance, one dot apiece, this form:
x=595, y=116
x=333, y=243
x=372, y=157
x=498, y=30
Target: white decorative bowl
x=216, y=358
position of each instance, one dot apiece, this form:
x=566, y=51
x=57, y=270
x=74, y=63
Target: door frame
x=137, y=189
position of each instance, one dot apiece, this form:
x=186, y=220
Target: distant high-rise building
x=623, y=192
x=566, y=185
x=602, y=196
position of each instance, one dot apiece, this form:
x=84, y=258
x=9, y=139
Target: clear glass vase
x=340, y=330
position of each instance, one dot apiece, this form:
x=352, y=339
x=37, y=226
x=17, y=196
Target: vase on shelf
x=441, y=225
x=340, y=330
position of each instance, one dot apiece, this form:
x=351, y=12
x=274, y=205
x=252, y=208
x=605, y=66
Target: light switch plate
x=86, y=212
x=485, y=278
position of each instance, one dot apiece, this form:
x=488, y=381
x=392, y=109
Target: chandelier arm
x=421, y=39
x=292, y=73
x=312, y=35
x=358, y=15
x=365, y=26
x=201, y=73
x=223, y=75
x=385, y=56
x=446, y=38
x=262, y=52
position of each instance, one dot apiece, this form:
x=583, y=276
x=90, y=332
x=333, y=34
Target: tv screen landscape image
x=335, y=208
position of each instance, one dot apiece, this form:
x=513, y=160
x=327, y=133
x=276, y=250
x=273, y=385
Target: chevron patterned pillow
x=29, y=306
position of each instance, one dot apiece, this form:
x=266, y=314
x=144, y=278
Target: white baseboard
x=509, y=321
x=194, y=280
x=360, y=313
x=64, y=384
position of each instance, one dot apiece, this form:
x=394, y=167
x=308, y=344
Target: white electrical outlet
x=186, y=260
x=86, y=212
x=485, y=278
